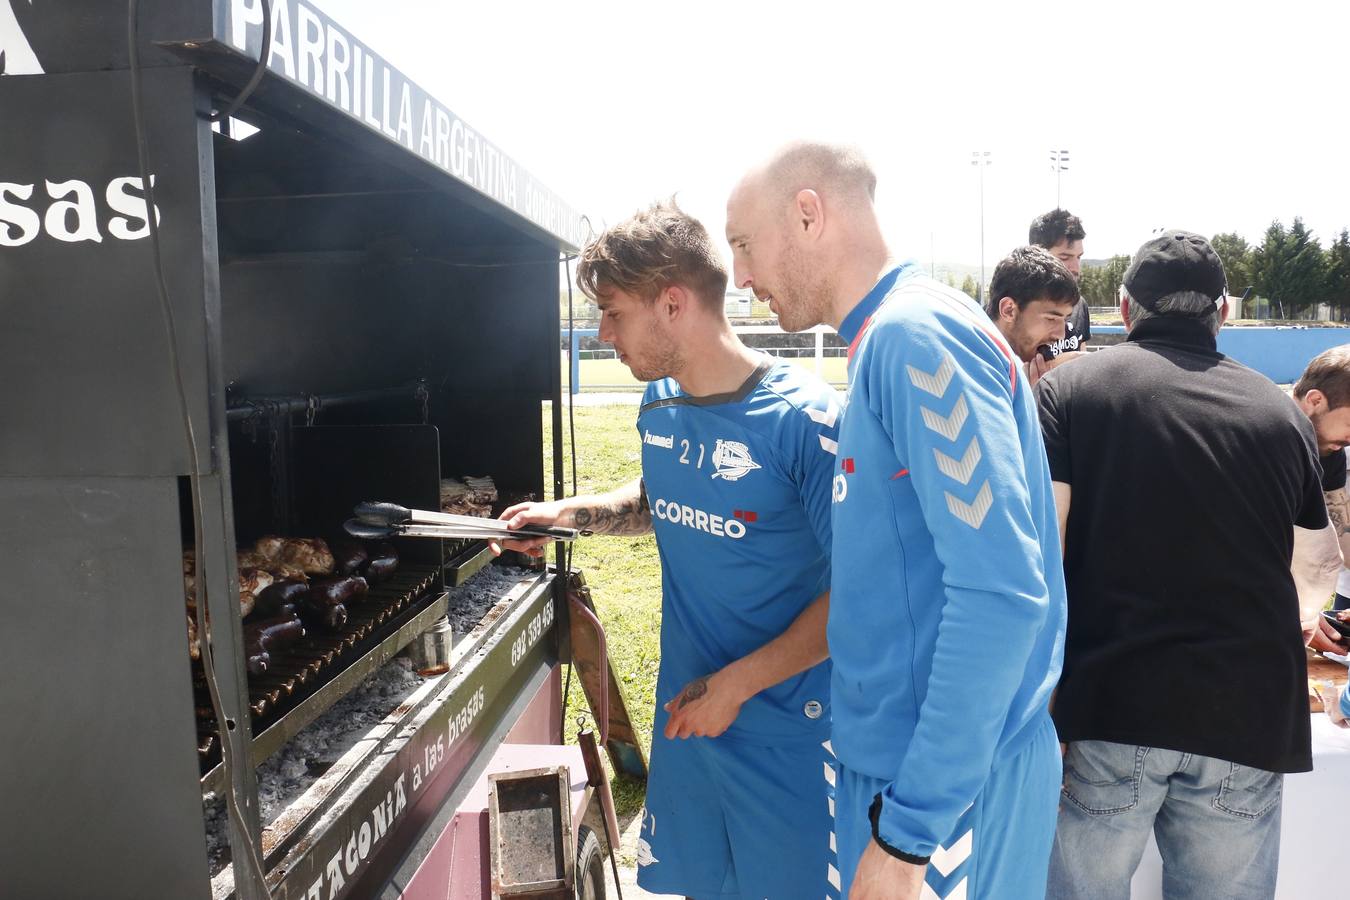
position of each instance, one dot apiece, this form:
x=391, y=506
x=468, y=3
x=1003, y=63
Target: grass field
x=610, y=374
x=624, y=575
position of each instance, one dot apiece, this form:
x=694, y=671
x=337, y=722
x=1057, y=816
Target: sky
x=1176, y=115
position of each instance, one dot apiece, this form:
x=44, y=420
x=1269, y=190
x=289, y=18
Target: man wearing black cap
x=1184, y=694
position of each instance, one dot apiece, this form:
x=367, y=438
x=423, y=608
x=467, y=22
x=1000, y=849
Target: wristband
x=874, y=814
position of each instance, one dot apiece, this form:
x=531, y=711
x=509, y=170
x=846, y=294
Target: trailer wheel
x=590, y=877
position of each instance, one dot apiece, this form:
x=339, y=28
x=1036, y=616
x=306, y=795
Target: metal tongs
x=376, y=520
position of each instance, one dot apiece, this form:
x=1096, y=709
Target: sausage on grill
x=281, y=597
x=272, y=634
x=323, y=617
x=332, y=591
x=383, y=562
x=349, y=556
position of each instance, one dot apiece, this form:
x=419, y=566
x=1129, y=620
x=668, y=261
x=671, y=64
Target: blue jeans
x=1217, y=824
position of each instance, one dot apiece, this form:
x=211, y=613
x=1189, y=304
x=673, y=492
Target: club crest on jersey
x=732, y=460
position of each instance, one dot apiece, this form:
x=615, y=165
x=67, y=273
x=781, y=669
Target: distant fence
x=1279, y=352
x=824, y=344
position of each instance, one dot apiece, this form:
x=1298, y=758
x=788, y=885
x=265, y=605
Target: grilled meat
x=294, y=558
x=469, y=497
x=323, y=617
x=281, y=597
x=350, y=556
x=251, y=582
x=310, y=555
x=332, y=591
x=383, y=562
x=269, y=547
x=271, y=635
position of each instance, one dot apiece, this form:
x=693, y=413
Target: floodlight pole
x=980, y=159
x=1059, y=160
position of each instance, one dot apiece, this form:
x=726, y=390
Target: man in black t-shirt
x=1181, y=479
x=1061, y=232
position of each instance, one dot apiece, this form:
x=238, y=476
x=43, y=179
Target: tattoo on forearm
x=626, y=516
x=693, y=691
x=1338, y=509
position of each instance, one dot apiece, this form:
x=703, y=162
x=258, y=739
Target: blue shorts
x=725, y=818
x=1000, y=848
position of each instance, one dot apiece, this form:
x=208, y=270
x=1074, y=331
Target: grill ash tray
x=288, y=773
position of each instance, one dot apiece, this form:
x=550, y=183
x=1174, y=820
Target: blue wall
x=1279, y=353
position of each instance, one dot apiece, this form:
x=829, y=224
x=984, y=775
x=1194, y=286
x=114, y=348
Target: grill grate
x=297, y=671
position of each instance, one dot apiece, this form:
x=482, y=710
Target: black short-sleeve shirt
x=1077, y=332
x=1188, y=472
x=1333, y=471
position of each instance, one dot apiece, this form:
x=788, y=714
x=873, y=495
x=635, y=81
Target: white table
x=1313, y=832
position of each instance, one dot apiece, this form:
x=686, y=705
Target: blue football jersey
x=739, y=486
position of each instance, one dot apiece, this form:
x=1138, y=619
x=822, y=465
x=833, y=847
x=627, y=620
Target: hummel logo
x=971, y=513
x=827, y=418
x=948, y=426
x=732, y=460
x=935, y=384
x=659, y=440
x=946, y=859
x=959, y=471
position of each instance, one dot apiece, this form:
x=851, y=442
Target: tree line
x=1289, y=273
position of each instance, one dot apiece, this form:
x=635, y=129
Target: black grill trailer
x=365, y=294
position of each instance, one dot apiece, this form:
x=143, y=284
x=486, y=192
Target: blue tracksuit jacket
x=948, y=604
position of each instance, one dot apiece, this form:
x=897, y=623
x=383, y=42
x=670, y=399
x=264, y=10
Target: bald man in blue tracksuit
x=948, y=615
x=947, y=618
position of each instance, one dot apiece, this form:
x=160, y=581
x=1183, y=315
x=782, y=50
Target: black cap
x=1172, y=262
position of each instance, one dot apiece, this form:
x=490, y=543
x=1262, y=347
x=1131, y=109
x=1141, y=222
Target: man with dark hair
x=944, y=539
x=1031, y=296
x=1195, y=534
x=1061, y=233
x=738, y=452
x=1323, y=393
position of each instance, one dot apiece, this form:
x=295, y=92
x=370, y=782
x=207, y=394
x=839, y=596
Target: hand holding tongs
x=384, y=520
